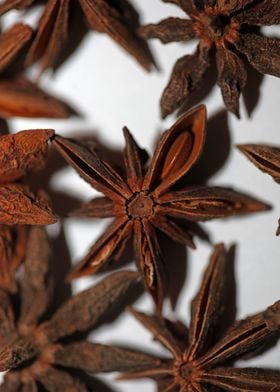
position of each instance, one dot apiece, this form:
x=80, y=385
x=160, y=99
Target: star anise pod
x=20, y=154
x=31, y=345
x=116, y=18
x=19, y=96
x=204, y=359
x=150, y=199
x=266, y=158
x=12, y=251
x=230, y=29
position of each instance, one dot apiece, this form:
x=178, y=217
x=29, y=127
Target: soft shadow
x=63, y=202
x=61, y=264
x=4, y=127
x=216, y=150
x=252, y=90
x=175, y=265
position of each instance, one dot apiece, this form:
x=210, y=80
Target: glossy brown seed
x=204, y=360
x=146, y=201
x=227, y=27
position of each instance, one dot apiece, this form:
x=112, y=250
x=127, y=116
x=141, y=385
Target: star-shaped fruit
x=266, y=158
x=230, y=29
x=20, y=154
x=117, y=18
x=150, y=199
x=203, y=356
x=18, y=96
x=34, y=349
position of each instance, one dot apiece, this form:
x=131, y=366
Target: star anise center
x=214, y=28
x=184, y=371
x=140, y=205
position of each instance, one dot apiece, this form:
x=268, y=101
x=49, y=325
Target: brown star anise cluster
x=33, y=349
x=231, y=29
x=203, y=354
x=43, y=334
x=116, y=18
x=147, y=199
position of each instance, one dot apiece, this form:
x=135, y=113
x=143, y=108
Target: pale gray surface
x=112, y=91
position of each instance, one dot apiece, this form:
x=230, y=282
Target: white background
x=111, y=91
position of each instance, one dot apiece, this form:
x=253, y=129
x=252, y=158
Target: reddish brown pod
x=202, y=356
x=231, y=30
x=266, y=158
x=18, y=96
x=147, y=199
x=20, y=154
x=60, y=24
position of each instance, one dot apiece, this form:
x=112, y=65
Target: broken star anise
x=20, y=154
x=32, y=348
x=19, y=96
x=230, y=28
x=204, y=355
x=266, y=158
x=117, y=18
x=150, y=199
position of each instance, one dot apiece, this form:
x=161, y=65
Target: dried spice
x=21, y=154
x=32, y=349
x=147, y=200
x=12, y=251
x=19, y=96
x=116, y=18
x=203, y=360
x=266, y=158
x=231, y=29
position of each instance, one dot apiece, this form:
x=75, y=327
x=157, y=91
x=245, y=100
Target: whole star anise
x=150, y=199
x=230, y=28
x=266, y=158
x=31, y=345
x=116, y=18
x=19, y=96
x=204, y=355
x=20, y=154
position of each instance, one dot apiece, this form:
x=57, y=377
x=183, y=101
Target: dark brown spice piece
x=12, y=252
x=116, y=18
x=204, y=360
x=19, y=96
x=20, y=154
x=266, y=158
x=147, y=200
x=34, y=351
x=228, y=27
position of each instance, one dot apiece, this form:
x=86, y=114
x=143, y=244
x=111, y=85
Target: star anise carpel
x=19, y=96
x=21, y=154
x=204, y=360
x=34, y=350
x=145, y=200
x=118, y=19
x=230, y=30
x=266, y=158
